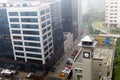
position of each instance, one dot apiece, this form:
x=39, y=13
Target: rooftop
x=87, y=39
x=24, y=4
x=104, y=53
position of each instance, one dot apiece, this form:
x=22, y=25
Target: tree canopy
x=117, y=61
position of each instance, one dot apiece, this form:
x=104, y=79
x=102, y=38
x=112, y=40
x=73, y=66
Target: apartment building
x=31, y=31
x=112, y=11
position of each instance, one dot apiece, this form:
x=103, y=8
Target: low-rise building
x=94, y=61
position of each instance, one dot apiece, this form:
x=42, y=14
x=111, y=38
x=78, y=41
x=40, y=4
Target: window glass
x=42, y=18
x=32, y=38
x=30, y=26
x=42, y=12
x=16, y=31
x=33, y=50
x=29, y=19
x=18, y=43
x=13, y=13
x=43, y=24
x=34, y=55
x=31, y=32
x=14, y=20
x=15, y=26
x=19, y=48
x=32, y=44
x=19, y=53
x=28, y=13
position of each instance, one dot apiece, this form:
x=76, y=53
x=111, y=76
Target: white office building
x=31, y=31
x=112, y=13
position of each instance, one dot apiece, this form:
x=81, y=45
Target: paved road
x=62, y=63
x=65, y=57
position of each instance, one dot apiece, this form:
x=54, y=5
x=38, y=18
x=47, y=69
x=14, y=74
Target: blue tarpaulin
x=107, y=41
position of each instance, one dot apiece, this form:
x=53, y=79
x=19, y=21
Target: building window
x=44, y=37
x=15, y=26
x=18, y=43
x=43, y=24
x=16, y=37
x=45, y=43
x=34, y=55
x=46, y=54
x=50, y=44
x=19, y=48
x=32, y=38
x=48, y=16
x=49, y=34
x=16, y=32
x=32, y=44
x=29, y=19
x=50, y=39
x=79, y=77
x=19, y=53
x=13, y=13
x=42, y=18
x=14, y=20
x=48, y=22
x=48, y=28
x=44, y=31
x=33, y=50
x=46, y=48
x=47, y=10
x=42, y=12
x=30, y=26
x=31, y=32
x=28, y=13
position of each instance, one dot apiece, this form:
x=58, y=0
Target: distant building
x=31, y=31
x=85, y=5
x=112, y=14
x=5, y=41
x=94, y=60
x=70, y=15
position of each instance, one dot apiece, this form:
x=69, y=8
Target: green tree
x=117, y=61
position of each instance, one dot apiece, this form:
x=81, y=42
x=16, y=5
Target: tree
x=117, y=61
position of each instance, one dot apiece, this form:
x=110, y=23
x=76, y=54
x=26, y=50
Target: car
x=75, y=53
x=66, y=71
x=14, y=72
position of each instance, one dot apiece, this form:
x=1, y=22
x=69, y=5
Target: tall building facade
x=5, y=41
x=31, y=31
x=57, y=28
x=112, y=17
x=70, y=16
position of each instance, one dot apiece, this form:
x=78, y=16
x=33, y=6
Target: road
x=62, y=64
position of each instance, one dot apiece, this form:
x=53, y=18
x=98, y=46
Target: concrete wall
x=77, y=66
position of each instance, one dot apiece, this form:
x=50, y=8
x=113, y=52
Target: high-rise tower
x=112, y=13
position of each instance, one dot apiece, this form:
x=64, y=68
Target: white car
x=66, y=71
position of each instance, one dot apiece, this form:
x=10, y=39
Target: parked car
x=75, y=53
